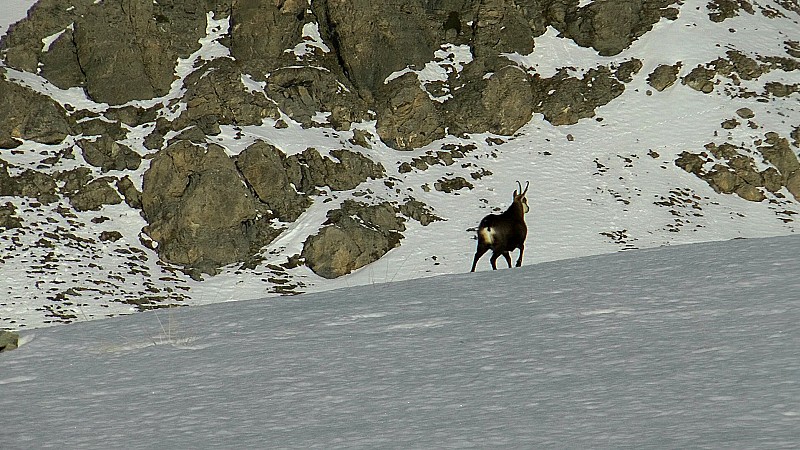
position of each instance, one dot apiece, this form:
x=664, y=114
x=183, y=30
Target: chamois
x=503, y=233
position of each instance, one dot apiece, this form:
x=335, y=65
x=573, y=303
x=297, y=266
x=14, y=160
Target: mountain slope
x=689, y=346
x=602, y=148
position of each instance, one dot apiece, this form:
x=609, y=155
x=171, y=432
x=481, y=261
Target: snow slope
x=600, y=186
x=683, y=347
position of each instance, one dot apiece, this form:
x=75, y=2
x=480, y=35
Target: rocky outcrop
x=107, y=154
x=356, y=235
x=25, y=114
x=664, y=76
x=9, y=340
x=198, y=209
x=731, y=170
x=264, y=168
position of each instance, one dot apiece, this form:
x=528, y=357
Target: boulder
x=310, y=170
x=199, y=210
x=611, y=26
x=564, y=100
x=215, y=95
x=500, y=104
x=357, y=234
x=25, y=114
x=264, y=168
x=9, y=340
x=94, y=195
x=8, y=219
x=407, y=117
x=663, y=76
x=107, y=154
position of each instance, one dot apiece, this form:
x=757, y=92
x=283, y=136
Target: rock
x=107, y=154
x=94, y=195
x=745, y=113
x=7, y=141
x=261, y=31
x=303, y=92
x=9, y=340
x=110, y=236
x=663, y=76
x=780, y=154
x=309, y=170
x=408, y=118
x=130, y=194
x=357, y=234
x=215, y=95
x=374, y=39
x=700, y=79
x=722, y=179
x=690, y=162
x=611, y=26
x=25, y=114
x=448, y=185
x=74, y=180
x=793, y=184
x=199, y=210
x=8, y=220
x=419, y=211
x=264, y=168
x=501, y=104
x=564, y=100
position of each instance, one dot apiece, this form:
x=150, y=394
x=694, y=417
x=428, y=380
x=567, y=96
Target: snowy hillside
x=685, y=347
x=602, y=185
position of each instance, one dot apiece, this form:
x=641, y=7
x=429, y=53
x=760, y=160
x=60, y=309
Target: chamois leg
x=519, y=260
x=507, y=256
x=495, y=255
x=482, y=249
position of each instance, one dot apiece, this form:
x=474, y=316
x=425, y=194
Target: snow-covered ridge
x=689, y=346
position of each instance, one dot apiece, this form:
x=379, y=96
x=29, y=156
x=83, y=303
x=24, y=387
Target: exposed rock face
x=264, y=168
x=145, y=39
x=108, y=154
x=94, y=195
x=310, y=170
x=732, y=171
x=611, y=26
x=356, y=235
x=663, y=76
x=25, y=114
x=198, y=208
x=7, y=218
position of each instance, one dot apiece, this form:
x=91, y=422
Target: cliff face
x=165, y=82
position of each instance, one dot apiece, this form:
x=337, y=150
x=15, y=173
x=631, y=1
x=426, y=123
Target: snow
x=686, y=346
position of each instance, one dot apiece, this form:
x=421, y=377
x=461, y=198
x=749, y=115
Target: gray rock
x=199, y=210
x=129, y=192
x=94, y=195
x=357, y=234
x=216, y=96
x=407, y=117
x=664, y=76
x=564, y=100
x=309, y=170
x=25, y=114
x=107, y=154
x=9, y=340
x=264, y=168
x=8, y=220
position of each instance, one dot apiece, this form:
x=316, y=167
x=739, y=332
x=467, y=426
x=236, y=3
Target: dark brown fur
x=504, y=233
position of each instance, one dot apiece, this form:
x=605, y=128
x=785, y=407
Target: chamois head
x=520, y=197
x=506, y=232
